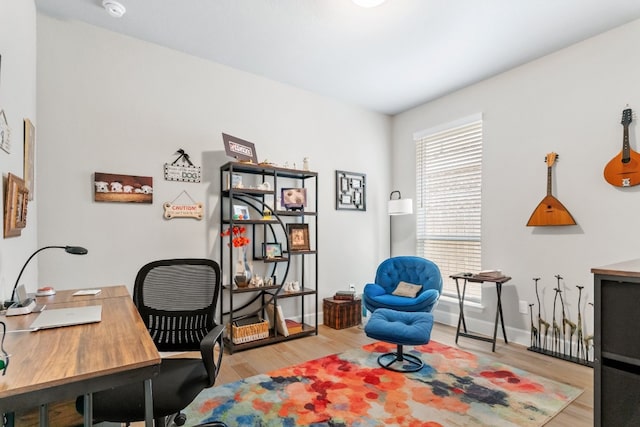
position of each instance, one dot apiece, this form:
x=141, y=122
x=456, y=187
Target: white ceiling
x=386, y=59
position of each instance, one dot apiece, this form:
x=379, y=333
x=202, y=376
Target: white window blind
x=448, y=187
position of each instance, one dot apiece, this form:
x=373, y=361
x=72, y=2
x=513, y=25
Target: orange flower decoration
x=239, y=239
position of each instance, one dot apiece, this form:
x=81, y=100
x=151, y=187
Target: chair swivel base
x=407, y=362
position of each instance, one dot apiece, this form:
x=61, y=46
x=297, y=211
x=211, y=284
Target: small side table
x=340, y=314
x=499, y=317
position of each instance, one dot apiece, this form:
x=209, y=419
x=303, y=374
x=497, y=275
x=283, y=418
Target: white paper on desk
x=87, y=292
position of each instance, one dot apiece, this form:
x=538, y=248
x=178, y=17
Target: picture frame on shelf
x=241, y=212
x=15, y=206
x=351, y=190
x=271, y=250
x=298, y=235
x=293, y=198
x=234, y=180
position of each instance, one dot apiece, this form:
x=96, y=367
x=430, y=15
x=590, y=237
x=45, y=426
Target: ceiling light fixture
x=368, y=3
x=114, y=8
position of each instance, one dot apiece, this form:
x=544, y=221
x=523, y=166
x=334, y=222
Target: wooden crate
x=340, y=314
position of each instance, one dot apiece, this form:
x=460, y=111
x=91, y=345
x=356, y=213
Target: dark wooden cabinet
x=617, y=344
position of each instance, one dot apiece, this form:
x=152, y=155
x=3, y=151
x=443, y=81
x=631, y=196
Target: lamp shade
x=400, y=207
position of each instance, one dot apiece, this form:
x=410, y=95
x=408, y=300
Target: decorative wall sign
x=5, y=133
x=173, y=210
x=111, y=187
x=243, y=151
x=29, y=156
x=351, y=191
x=181, y=169
x=15, y=206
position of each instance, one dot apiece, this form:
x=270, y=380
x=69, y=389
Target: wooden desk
x=67, y=295
x=499, y=316
x=63, y=363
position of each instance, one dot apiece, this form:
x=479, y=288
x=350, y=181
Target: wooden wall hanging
x=173, y=210
x=550, y=211
x=624, y=169
x=15, y=206
x=181, y=169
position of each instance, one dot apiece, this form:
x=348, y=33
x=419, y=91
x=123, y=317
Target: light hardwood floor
x=329, y=341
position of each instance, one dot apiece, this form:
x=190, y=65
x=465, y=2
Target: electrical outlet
x=523, y=307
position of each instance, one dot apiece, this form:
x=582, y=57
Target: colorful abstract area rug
x=454, y=388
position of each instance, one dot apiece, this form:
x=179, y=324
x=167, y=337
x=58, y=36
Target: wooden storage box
x=340, y=314
x=248, y=333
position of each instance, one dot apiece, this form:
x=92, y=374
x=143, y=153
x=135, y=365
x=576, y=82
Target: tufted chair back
x=412, y=269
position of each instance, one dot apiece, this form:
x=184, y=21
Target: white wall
x=570, y=103
x=114, y=104
x=110, y=103
x=18, y=100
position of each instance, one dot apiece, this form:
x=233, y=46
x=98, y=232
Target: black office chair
x=177, y=300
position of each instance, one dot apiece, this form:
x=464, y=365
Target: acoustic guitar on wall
x=550, y=211
x=624, y=169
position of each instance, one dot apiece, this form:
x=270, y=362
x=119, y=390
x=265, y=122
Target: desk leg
x=44, y=415
x=148, y=404
x=461, y=321
x=88, y=410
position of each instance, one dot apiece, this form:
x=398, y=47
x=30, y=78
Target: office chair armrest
x=207, y=346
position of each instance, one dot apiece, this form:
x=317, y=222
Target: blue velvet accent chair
x=410, y=269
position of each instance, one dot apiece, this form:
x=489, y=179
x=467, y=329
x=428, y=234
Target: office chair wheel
x=180, y=419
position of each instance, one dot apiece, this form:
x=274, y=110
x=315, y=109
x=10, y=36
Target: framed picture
x=298, y=237
x=29, y=156
x=109, y=187
x=344, y=184
x=241, y=212
x=5, y=133
x=271, y=250
x=351, y=191
x=15, y=206
x=293, y=198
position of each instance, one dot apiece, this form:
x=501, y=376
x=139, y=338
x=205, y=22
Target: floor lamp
x=397, y=206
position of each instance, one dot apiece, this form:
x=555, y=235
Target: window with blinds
x=449, y=203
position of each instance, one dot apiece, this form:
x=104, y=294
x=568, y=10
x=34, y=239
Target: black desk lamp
x=74, y=250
